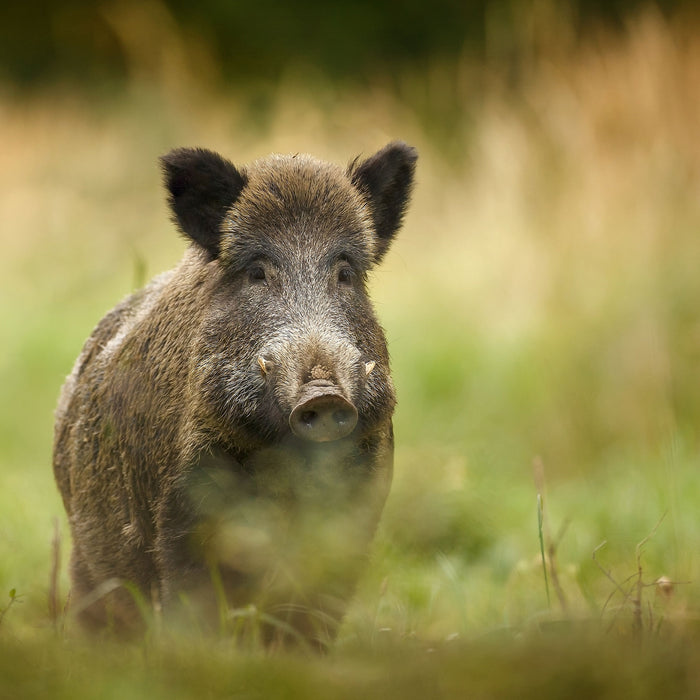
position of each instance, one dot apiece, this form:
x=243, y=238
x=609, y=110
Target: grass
x=541, y=306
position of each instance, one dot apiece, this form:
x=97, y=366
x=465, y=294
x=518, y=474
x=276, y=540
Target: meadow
x=542, y=309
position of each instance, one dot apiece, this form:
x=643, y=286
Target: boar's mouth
x=322, y=413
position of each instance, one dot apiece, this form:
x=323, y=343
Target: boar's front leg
x=285, y=534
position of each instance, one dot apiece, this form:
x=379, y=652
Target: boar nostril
x=342, y=417
x=308, y=417
x=322, y=417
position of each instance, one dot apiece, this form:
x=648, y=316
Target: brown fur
x=173, y=450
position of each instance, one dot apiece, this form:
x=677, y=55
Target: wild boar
x=225, y=438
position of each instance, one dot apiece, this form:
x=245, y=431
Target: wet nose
x=322, y=414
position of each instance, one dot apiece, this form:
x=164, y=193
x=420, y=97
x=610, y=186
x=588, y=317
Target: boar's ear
x=386, y=179
x=201, y=186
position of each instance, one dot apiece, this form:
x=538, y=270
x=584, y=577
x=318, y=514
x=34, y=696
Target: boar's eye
x=256, y=274
x=346, y=275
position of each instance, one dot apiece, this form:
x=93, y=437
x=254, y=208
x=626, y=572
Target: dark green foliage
x=78, y=40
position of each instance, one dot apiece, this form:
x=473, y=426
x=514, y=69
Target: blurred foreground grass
x=541, y=305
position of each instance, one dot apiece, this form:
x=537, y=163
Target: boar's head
x=290, y=346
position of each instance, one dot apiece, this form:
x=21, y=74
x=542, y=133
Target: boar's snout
x=322, y=413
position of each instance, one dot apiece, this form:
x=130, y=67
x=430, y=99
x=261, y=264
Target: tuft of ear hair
x=386, y=180
x=201, y=187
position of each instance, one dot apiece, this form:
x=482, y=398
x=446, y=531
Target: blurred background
x=541, y=302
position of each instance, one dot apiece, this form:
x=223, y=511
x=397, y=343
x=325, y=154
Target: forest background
x=541, y=305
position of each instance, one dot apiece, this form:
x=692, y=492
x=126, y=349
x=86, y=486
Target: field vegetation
x=543, y=312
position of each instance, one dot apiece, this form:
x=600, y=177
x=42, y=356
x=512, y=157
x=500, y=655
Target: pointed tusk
x=263, y=365
x=369, y=366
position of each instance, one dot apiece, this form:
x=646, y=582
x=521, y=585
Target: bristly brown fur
x=173, y=450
